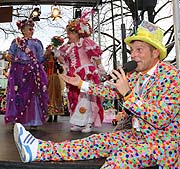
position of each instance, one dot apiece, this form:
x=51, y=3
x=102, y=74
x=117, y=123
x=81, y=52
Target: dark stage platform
x=9, y=157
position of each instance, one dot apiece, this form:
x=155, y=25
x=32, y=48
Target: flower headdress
x=57, y=41
x=81, y=25
x=21, y=24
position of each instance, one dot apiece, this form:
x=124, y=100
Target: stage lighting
x=146, y=5
x=55, y=12
x=35, y=14
x=78, y=13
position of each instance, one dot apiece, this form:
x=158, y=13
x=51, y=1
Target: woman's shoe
x=33, y=128
x=55, y=118
x=87, y=129
x=26, y=143
x=76, y=128
x=50, y=119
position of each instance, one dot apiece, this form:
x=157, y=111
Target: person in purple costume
x=27, y=96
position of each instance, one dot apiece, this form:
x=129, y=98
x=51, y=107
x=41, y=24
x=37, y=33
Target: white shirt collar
x=151, y=71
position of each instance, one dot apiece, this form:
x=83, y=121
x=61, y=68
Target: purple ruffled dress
x=27, y=97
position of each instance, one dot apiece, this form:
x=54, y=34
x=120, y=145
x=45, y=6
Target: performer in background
x=151, y=94
x=27, y=96
x=55, y=85
x=82, y=55
x=6, y=70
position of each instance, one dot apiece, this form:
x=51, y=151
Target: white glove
x=56, y=52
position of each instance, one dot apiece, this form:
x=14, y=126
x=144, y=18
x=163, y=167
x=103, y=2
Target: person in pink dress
x=81, y=55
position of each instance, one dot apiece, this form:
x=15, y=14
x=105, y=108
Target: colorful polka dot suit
x=157, y=142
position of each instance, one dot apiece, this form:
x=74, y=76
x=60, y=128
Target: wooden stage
x=55, y=131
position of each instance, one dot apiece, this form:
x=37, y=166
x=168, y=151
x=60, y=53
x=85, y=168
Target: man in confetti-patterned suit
x=150, y=93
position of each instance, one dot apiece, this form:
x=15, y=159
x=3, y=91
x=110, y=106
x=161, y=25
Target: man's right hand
x=75, y=81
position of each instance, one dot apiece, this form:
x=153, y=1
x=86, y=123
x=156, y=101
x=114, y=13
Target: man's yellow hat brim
x=152, y=38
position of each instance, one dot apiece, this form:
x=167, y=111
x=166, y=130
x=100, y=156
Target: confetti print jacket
x=157, y=109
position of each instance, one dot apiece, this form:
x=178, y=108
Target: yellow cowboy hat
x=151, y=34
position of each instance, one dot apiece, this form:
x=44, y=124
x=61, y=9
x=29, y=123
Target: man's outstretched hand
x=75, y=81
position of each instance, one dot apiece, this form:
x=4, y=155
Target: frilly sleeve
x=62, y=53
x=13, y=48
x=93, y=51
x=62, y=50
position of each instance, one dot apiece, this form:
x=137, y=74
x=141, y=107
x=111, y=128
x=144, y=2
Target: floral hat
x=57, y=41
x=21, y=24
x=80, y=25
x=151, y=34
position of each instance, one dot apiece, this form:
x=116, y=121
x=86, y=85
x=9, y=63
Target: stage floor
x=55, y=131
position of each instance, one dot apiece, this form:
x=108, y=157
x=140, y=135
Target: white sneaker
x=76, y=128
x=26, y=143
x=87, y=129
